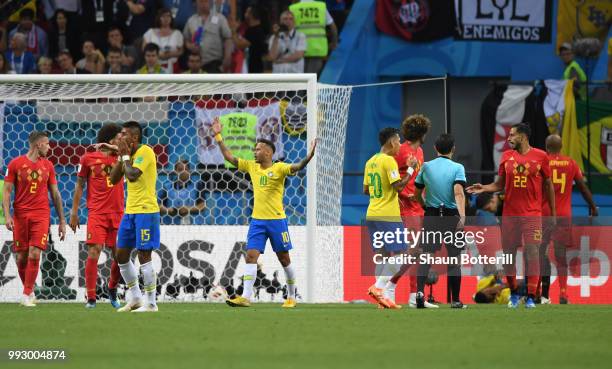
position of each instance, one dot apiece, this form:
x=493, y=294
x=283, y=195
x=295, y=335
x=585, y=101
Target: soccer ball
x=217, y=294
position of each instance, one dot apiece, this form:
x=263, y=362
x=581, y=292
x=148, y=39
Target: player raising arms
x=383, y=183
x=414, y=129
x=268, y=220
x=524, y=173
x=139, y=226
x=31, y=176
x=564, y=172
x=104, y=210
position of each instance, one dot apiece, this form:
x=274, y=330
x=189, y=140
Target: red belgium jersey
x=102, y=196
x=408, y=205
x=525, y=176
x=564, y=171
x=31, y=181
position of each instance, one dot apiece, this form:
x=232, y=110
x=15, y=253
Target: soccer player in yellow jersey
x=268, y=220
x=139, y=226
x=383, y=183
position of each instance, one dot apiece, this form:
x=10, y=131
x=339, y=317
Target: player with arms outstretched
x=104, y=210
x=268, y=220
x=565, y=172
x=382, y=182
x=139, y=227
x=524, y=173
x=32, y=176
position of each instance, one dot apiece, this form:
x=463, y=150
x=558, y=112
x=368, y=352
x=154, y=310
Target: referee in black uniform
x=444, y=181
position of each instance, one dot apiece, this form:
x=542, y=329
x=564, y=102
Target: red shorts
x=30, y=230
x=517, y=230
x=102, y=229
x=561, y=232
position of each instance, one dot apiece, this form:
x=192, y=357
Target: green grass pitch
x=311, y=336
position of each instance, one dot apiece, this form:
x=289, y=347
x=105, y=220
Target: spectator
x=181, y=11
x=4, y=65
x=70, y=8
x=140, y=17
x=169, y=40
x=113, y=59
x=66, y=63
x=36, y=37
x=181, y=199
x=320, y=29
x=194, y=64
x=129, y=54
x=62, y=36
x=20, y=60
x=45, y=65
x=210, y=35
x=225, y=7
x=254, y=39
x=573, y=70
x=93, y=60
x=151, y=56
x=97, y=16
x=287, y=46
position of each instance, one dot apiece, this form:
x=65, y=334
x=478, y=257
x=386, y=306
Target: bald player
x=564, y=172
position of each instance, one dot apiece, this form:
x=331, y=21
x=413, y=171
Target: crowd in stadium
x=169, y=36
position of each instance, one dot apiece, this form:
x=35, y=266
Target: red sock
x=31, y=272
x=413, y=283
x=532, y=284
x=511, y=280
x=91, y=276
x=563, y=285
x=115, y=274
x=21, y=268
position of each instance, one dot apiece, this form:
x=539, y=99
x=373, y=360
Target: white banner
x=269, y=126
x=508, y=20
x=202, y=252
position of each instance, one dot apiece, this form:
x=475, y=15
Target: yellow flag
x=14, y=18
x=570, y=134
x=593, y=20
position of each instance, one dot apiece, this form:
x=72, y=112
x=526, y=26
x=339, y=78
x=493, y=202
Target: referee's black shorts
x=440, y=221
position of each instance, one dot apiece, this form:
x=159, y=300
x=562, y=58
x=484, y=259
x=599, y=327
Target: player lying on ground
x=32, y=176
x=268, y=220
x=139, y=226
x=104, y=210
x=524, y=173
x=382, y=182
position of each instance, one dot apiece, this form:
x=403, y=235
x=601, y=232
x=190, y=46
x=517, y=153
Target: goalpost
x=201, y=249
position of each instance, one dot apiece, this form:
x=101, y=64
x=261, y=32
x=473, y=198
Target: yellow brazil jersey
x=142, y=194
x=491, y=281
x=380, y=173
x=268, y=188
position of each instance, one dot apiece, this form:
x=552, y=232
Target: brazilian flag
x=601, y=143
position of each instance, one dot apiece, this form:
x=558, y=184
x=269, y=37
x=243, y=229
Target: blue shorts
x=377, y=230
x=140, y=231
x=274, y=229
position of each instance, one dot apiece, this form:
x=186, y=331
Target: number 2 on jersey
x=376, y=184
x=560, y=180
x=520, y=181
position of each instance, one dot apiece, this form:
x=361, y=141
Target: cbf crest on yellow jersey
x=141, y=194
x=268, y=188
x=380, y=173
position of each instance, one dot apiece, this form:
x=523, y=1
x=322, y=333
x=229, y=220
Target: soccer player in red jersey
x=105, y=203
x=564, y=171
x=32, y=176
x=414, y=129
x=524, y=173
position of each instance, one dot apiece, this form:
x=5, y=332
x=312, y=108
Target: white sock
x=412, y=297
x=390, y=291
x=250, y=274
x=384, y=276
x=130, y=276
x=150, y=279
x=290, y=275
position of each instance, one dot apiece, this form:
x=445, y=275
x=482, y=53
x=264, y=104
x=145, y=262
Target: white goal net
x=206, y=203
